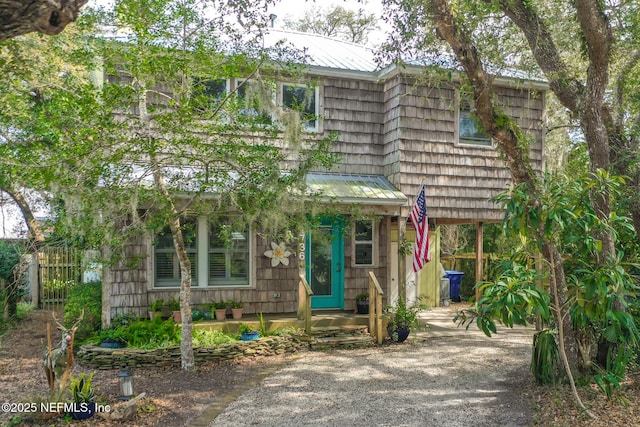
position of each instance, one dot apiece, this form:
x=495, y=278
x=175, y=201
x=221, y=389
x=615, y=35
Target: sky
x=294, y=9
x=11, y=223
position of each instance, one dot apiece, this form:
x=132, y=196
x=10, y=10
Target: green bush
x=202, y=338
x=145, y=334
x=87, y=297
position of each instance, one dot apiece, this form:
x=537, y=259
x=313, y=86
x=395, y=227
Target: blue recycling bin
x=455, y=279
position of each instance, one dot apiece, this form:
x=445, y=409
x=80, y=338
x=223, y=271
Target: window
x=363, y=242
x=470, y=131
x=228, y=255
x=253, y=102
x=304, y=100
x=207, y=94
x=167, y=267
x=224, y=254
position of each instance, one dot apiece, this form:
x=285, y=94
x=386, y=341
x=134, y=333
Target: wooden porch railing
x=304, y=303
x=375, y=308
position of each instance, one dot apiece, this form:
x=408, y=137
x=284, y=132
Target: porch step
x=353, y=336
x=333, y=331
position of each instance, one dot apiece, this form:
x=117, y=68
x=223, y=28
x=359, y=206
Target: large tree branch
x=29, y=218
x=507, y=136
x=50, y=17
x=561, y=81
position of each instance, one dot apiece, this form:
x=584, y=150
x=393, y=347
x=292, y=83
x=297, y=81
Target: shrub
x=202, y=338
x=87, y=297
x=146, y=334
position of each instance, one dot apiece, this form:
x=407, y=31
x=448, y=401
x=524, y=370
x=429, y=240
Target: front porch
x=320, y=319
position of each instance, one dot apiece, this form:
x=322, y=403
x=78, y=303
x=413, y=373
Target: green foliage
x=23, y=310
x=174, y=304
x=9, y=258
x=262, y=326
x=512, y=299
x=363, y=296
x=609, y=379
x=234, y=304
x=544, y=358
x=156, y=305
x=403, y=316
x=245, y=328
x=85, y=297
x=217, y=305
x=81, y=388
x=124, y=320
x=208, y=338
x=146, y=334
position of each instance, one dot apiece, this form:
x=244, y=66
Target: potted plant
x=112, y=338
x=84, y=398
x=174, y=306
x=402, y=320
x=219, y=309
x=362, y=303
x=247, y=333
x=236, y=309
x=155, y=309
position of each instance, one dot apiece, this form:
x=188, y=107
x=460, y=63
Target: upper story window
x=219, y=253
x=167, y=267
x=363, y=242
x=470, y=131
x=207, y=94
x=304, y=100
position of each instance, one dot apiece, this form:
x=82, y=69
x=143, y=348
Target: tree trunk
x=511, y=141
x=186, y=344
x=19, y=17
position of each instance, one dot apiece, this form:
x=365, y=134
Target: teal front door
x=325, y=259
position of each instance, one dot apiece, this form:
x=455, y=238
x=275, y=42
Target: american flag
x=420, y=220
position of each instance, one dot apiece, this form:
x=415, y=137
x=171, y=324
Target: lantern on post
x=125, y=377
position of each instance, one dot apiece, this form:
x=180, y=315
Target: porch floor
x=438, y=321
x=320, y=319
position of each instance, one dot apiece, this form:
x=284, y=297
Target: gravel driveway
x=446, y=377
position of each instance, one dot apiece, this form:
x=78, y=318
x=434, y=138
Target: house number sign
x=301, y=249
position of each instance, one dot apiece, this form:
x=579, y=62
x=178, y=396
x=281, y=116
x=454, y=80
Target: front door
x=325, y=272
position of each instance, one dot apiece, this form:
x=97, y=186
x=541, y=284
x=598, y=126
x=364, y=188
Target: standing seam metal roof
x=345, y=188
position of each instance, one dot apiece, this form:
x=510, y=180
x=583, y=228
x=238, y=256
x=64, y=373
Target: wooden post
x=402, y=264
x=372, y=307
x=375, y=308
x=379, y=318
x=479, y=257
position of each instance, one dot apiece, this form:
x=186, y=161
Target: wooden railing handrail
x=375, y=282
x=306, y=285
x=375, y=308
x=304, y=302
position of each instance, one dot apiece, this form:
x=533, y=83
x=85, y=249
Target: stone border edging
x=96, y=357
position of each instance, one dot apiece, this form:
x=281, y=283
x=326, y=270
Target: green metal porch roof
x=360, y=189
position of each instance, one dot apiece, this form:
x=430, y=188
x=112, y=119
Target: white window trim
x=202, y=248
x=374, y=252
x=316, y=89
x=237, y=82
x=458, y=142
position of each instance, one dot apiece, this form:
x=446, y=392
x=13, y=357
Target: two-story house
x=396, y=131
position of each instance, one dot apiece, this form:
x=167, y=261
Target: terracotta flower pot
x=237, y=313
x=221, y=313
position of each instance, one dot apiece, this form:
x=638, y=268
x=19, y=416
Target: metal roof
x=344, y=188
x=326, y=52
